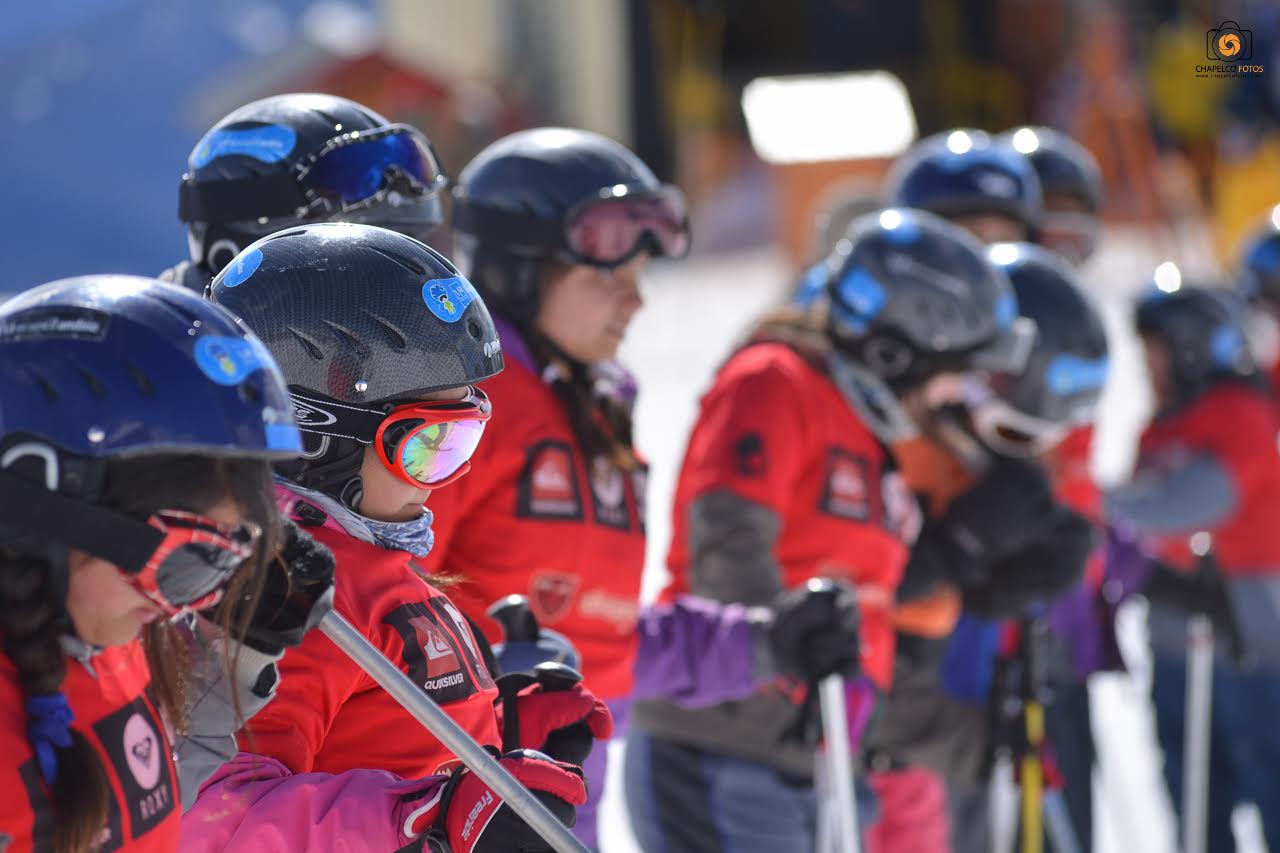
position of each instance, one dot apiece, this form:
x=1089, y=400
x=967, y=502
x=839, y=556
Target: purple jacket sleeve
x=253, y=803
x=698, y=652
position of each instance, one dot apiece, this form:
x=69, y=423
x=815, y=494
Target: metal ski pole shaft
x=444, y=729
x=838, y=756
x=1195, y=762
x=1057, y=823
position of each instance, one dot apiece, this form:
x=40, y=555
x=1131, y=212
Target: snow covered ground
x=696, y=311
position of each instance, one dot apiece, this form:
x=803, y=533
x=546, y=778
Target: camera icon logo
x=1229, y=43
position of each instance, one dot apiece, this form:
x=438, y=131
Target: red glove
x=563, y=724
x=470, y=818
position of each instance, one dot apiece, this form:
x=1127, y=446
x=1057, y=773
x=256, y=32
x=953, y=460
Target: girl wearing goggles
x=382, y=342
x=119, y=510
x=555, y=227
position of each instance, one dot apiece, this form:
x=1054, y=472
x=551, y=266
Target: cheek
x=102, y=604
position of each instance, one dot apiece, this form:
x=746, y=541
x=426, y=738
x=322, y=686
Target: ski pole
x=1057, y=823
x=842, y=805
x=444, y=729
x=1199, y=710
x=1031, y=777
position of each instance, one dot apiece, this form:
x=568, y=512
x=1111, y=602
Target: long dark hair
x=600, y=422
x=30, y=617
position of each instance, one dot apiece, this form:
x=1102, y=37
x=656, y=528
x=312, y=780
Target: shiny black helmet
x=360, y=319
x=558, y=194
x=290, y=159
x=912, y=295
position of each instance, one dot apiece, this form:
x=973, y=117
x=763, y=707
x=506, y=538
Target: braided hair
x=33, y=620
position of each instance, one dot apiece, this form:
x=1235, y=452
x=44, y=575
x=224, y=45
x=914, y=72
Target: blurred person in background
x=1258, y=276
x=291, y=159
x=1208, y=464
x=555, y=227
x=791, y=473
x=135, y=487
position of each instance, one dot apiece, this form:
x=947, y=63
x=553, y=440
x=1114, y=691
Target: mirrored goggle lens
x=355, y=170
x=198, y=571
x=610, y=230
x=432, y=452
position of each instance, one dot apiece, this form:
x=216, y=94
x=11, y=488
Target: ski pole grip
x=443, y=728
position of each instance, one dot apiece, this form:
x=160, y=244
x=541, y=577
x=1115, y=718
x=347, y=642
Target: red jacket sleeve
x=316, y=679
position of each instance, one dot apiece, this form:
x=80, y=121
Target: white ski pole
x=449, y=733
x=1195, y=761
x=841, y=803
x=1199, y=710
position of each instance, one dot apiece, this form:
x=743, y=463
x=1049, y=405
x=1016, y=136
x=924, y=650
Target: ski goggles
x=1072, y=235
x=431, y=444
x=392, y=167
x=190, y=567
x=613, y=228
x=364, y=166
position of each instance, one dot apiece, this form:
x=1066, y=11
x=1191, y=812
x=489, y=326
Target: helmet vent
x=139, y=378
x=348, y=337
x=408, y=263
x=96, y=388
x=396, y=337
x=312, y=348
x=473, y=329
x=46, y=387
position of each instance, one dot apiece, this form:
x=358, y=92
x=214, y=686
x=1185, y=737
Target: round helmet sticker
x=142, y=751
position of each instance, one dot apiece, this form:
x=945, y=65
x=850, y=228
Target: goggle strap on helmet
x=239, y=200
x=118, y=539
x=505, y=228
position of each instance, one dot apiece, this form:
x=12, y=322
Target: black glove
x=298, y=579
x=1002, y=513
x=1196, y=591
x=1041, y=571
x=815, y=631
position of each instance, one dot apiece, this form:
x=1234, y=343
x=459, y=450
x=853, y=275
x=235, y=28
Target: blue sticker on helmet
x=448, y=298
x=228, y=361
x=283, y=437
x=241, y=268
x=1006, y=311
x=860, y=291
x=267, y=144
x=1226, y=346
x=1069, y=374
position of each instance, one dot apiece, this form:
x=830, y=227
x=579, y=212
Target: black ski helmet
x=359, y=318
x=511, y=203
x=1260, y=264
x=912, y=295
x=291, y=159
x=1065, y=169
x=1067, y=365
x=1203, y=329
x=964, y=172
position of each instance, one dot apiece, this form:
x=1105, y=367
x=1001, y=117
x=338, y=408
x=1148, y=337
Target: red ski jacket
x=112, y=710
x=776, y=431
x=535, y=517
x=329, y=716
x=1238, y=426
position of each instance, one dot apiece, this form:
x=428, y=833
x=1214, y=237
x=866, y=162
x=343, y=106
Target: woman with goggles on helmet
x=382, y=343
x=555, y=226
x=292, y=159
x=138, y=423
x=791, y=473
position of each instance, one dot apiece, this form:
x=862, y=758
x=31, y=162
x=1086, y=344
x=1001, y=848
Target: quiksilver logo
x=307, y=414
